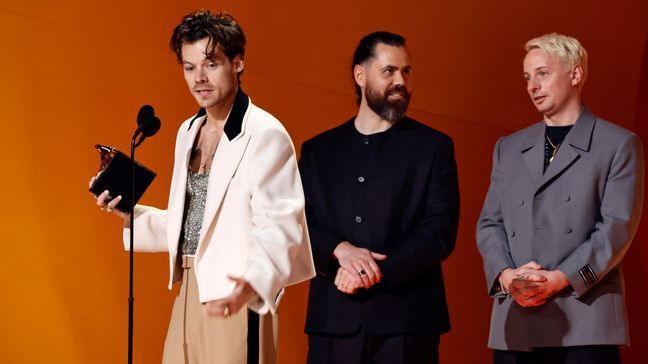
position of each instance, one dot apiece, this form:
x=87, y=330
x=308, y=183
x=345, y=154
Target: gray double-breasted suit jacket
x=579, y=216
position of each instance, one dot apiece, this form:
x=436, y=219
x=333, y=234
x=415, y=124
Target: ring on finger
x=109, y=209
x=362, y=272
x=226, y=312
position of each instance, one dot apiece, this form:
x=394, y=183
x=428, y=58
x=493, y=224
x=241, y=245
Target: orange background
x=74, y=73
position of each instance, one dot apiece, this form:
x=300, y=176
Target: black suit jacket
x=394, y=193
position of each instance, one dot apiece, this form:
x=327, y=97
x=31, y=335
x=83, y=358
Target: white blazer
x=254, y=225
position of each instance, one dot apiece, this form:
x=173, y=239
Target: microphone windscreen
x=150, y=126
x=145, y=113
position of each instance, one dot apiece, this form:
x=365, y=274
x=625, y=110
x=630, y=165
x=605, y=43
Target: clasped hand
x=530, y=285
x=358, y=268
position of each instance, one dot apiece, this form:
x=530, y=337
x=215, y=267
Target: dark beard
x=388, y=110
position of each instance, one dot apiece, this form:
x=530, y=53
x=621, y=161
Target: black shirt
x=554, y=136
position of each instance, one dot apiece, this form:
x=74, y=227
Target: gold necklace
x=555, y=149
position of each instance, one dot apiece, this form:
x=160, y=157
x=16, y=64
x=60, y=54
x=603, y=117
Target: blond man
x=562, y=208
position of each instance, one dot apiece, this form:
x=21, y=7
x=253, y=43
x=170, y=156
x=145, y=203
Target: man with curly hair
x=234, y=227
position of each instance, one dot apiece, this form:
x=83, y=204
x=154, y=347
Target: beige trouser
x=194, y=338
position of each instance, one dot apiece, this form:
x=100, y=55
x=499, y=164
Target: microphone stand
x=131, y=299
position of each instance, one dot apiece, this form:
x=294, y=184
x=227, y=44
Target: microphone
x=147, y=123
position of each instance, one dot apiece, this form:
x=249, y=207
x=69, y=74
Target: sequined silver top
x=194, y=210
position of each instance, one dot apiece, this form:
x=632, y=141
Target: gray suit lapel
x=578, y=139
x=532, y=151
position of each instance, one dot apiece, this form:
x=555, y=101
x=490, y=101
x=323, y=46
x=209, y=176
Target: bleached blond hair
x=568, y=49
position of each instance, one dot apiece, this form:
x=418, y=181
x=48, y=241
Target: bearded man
x=382, y=205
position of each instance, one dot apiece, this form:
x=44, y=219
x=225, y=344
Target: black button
x=567, y=198
x=361, y=179
x=358, y=219
x=513, y=233
x=568, y=230
x=538, y=228
x=521, y=203
x=365, y=140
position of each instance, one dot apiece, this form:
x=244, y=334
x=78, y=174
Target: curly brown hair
x=221, y=28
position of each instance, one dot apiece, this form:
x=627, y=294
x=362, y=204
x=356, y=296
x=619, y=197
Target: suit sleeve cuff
x=581, y=280
x=496, y=289
x=492, y=278
x=269, y=291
